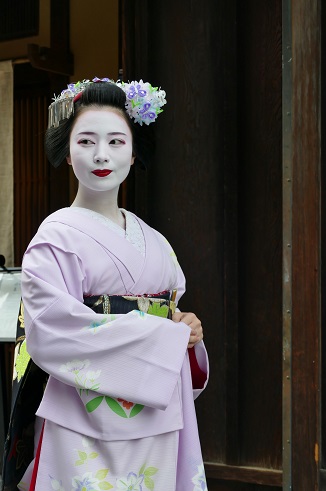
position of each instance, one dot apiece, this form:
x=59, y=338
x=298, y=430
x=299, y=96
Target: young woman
x=99, y=291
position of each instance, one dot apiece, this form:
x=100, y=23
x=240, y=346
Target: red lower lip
x=101, y=173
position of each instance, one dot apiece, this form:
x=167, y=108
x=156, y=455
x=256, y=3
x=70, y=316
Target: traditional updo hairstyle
x=99, y=95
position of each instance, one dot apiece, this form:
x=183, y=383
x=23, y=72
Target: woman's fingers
x=194, y=323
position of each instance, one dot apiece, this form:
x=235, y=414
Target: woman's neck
x=105, y=203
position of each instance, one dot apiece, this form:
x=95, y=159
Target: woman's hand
x=194, y=323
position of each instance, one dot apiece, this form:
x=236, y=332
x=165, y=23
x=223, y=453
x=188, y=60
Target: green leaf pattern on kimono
x=96, y=480
x=85, y=455
x=88, y=481
x=158, y=310
x=22, y=360
x=115, y=406
x=136, y=410
x=94, y=404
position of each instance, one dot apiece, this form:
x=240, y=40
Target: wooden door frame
x=301, y=243
x=287, y=239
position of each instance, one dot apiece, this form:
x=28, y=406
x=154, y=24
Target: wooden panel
x=217, y=485
x=39, y=189
x=253, y=475
x=30, y=169
x=19, y=19
x=229, y=161
x=306, y=243
x=186, y=182
x=215, y=191
x=260, y=232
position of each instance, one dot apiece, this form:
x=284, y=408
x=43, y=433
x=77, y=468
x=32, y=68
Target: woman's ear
x=68, y=159
x=133, y=159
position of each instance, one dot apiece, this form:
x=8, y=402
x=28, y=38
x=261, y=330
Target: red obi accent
x=198, y=376
x=149, y=295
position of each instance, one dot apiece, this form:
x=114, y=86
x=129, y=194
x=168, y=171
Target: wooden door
x=235, y=186
x=215, y=191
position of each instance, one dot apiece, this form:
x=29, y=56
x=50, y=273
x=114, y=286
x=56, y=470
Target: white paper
x=10, y=295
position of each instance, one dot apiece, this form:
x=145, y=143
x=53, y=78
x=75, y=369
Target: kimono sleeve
x=119, y=356
x=202, y=365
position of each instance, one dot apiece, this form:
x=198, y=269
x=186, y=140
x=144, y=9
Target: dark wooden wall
x=215, y=191
x=39, y=189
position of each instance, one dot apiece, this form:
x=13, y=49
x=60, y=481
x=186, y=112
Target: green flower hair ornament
x=143, y=101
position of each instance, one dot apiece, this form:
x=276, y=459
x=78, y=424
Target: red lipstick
x=101, y=172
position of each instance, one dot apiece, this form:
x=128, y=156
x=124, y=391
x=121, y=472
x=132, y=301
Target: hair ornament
x=143, y=102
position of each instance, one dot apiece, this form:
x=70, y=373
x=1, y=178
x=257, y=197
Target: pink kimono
x=118, y=406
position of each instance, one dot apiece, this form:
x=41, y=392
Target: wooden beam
x=57, y=58
x=244, y=474
x=50, y=60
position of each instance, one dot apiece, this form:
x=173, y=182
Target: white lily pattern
x=84, y=381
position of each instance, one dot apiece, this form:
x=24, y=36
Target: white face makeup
x=100, y=149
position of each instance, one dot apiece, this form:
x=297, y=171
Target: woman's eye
x=85, y=141
x=116, y=141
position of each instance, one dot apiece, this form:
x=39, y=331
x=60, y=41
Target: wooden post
x=306, y=234
x=287, y=239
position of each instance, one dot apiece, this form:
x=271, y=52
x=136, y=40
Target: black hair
x=98, y=95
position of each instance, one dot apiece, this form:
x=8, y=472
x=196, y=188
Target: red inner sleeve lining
x=198, y=376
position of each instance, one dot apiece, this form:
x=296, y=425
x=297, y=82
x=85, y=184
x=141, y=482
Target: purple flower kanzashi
x=143, y=101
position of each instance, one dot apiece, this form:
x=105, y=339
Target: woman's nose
x=100, y=158
x=101, y=154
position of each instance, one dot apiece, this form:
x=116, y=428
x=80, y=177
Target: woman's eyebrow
x=93, y=133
